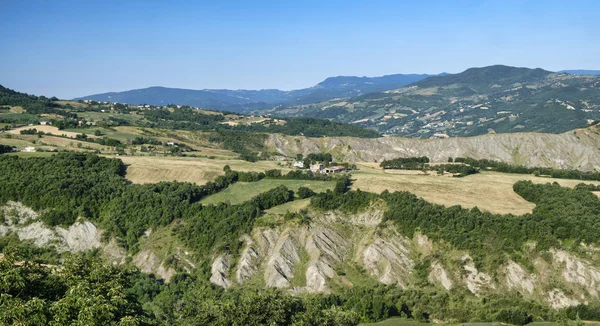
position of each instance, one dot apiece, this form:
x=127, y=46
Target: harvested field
x=490, y=191
x=148, y=169
x=49, y=130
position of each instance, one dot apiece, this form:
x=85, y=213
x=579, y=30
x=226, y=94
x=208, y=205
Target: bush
x=513, y=316
x=304, y=192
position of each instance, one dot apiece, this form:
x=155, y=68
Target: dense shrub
x=304, y=192
x=405, y=163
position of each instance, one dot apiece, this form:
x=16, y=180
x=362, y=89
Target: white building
x=299, y=164
x=316, y=168
x=29, y=149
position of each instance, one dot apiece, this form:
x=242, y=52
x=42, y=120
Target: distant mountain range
x=494, y=99
x=582, y=72
x=477, y=101
x=247, y=100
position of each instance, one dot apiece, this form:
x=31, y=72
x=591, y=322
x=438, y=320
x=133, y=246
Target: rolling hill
x=494, y=99
x=246, y=100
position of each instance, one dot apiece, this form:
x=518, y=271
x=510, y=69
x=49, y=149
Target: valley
x=287, y=163
x=224, y=206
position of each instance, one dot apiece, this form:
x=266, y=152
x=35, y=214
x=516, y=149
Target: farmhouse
x=29, y=149
x=316, y=168
x=335, y=169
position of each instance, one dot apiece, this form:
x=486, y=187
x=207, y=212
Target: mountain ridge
x=581, y=72
x=493, y=99
x=243, y=100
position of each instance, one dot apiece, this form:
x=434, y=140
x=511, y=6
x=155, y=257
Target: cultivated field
x=243, y=191
x=491, y=191
x=49, y=130
x=149, y=169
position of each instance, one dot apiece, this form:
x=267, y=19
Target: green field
x=293, y=206
x=243, y=191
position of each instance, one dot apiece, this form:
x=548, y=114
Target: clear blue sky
x=70, y=48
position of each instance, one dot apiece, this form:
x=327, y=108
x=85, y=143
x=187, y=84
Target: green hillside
x=495, y=99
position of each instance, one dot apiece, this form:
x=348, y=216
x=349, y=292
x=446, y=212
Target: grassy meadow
x=243, y=191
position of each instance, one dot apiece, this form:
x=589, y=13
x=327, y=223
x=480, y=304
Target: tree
x=304, y=192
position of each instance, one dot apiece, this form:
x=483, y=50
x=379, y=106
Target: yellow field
x=49, y=130
x=19, y=143
x=490, y=191
x=148, y=169
x=71, y=143
x=16, y=109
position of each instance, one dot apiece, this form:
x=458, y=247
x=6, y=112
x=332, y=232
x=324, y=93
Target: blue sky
x=72, y=48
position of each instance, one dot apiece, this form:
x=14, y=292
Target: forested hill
x=481, y=79
x=246, y=100
x=494, y=99
x=18, y=109
x=350, y=256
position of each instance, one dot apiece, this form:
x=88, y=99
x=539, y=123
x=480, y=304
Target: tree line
x=537, y=171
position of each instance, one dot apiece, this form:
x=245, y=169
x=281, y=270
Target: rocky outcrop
x=388, y=261
x=475, y=280
x=317, y=258
x=439, y=275
x=80, y=236
x=578, y=271
x=279, y=269
x=575, y=149
x=219, y=271
x=517, y=278
x=371, y=217
x=325, y=249
x=149, y=262
x=16, y=213
x=558, y=299
x=248, y=263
